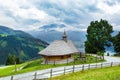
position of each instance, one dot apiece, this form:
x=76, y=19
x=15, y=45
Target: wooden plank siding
x=52, y=58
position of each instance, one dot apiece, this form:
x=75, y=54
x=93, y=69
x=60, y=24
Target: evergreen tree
x=98, y=35
x=11, y=59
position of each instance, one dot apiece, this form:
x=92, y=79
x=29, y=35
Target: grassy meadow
x=36, y=65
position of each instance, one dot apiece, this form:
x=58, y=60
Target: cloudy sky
x=72, y=14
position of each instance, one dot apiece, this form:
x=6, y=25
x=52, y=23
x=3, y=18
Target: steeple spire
x=64, y=36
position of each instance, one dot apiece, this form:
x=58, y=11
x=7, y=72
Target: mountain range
x=49, y=33
x=18, y=43
x=78, y=37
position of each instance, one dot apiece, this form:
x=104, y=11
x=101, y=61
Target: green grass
x=9, y=70
x=36, y=65
x=108, y=73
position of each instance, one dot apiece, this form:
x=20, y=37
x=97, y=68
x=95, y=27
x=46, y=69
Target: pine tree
x=11, y=59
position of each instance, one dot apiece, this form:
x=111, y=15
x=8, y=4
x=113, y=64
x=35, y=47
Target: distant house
x=59, y=51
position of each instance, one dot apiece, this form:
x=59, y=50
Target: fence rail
x=65, y=70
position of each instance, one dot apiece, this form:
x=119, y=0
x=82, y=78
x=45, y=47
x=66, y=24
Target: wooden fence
x=65, y=70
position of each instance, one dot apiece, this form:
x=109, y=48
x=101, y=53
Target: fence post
x=96, y=58
x=46, y=61
x=111, y=64
x=74, y=61
x=101, y=65
x=91, y=59
x=35, y=76
x=15, y=66
x=73, y=68
x=67, y=60
x=64, y=70
x=96, y=65
x=11, y=77
x=54, y=62
x=83, y=67
x=89, y=67
x=51, y=73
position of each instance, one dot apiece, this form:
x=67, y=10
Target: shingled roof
x=59, y=47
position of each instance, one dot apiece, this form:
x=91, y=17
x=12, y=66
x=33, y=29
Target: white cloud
x=116, y=27
x=16, y=13
x=109, y=9
x=7, y=21
x=23, y=11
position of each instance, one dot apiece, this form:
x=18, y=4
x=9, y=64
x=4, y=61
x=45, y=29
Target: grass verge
x=108, y=73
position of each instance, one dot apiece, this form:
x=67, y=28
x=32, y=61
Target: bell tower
x=64, y=37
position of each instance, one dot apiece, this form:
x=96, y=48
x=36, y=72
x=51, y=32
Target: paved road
x=60, y=70
x=2, y=67
x=112, y=59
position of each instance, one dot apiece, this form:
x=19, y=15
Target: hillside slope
x=18, y=43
